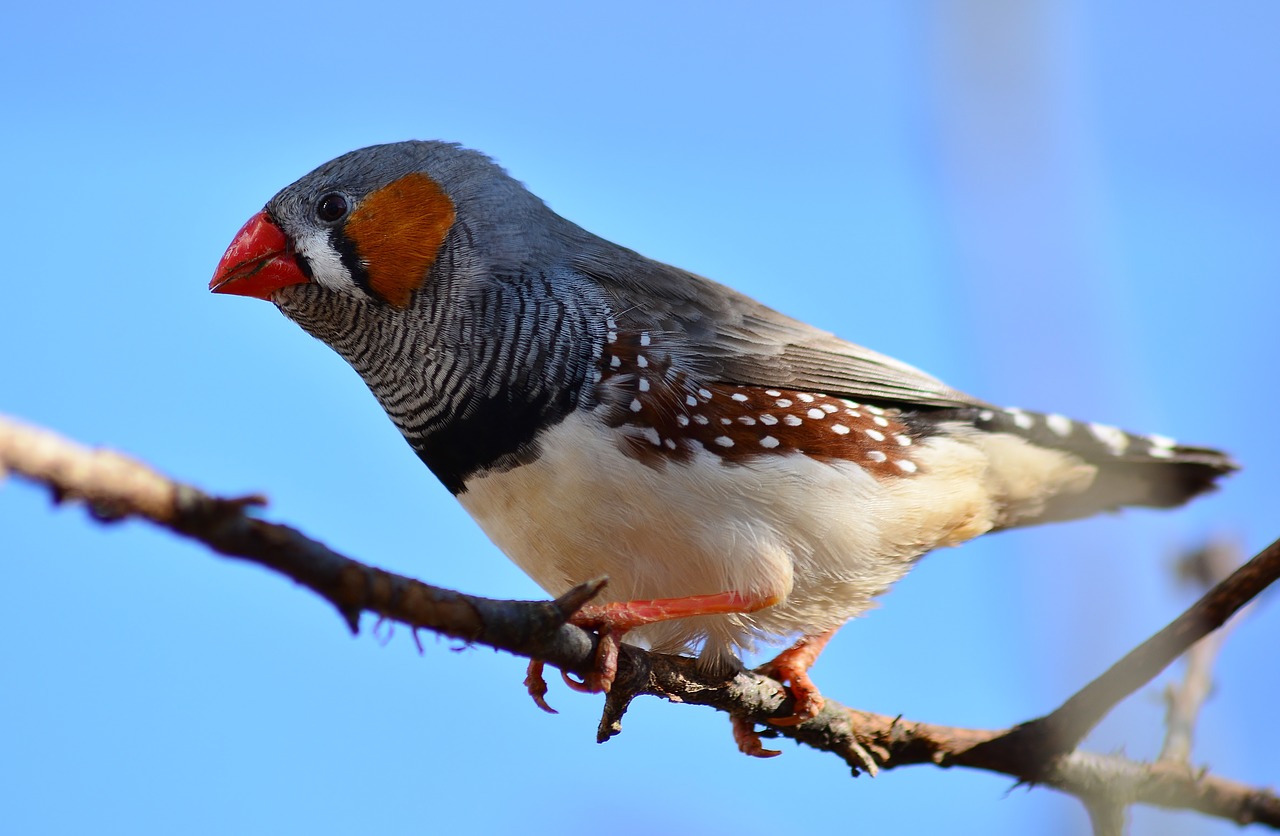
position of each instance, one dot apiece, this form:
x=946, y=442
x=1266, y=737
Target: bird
x=738, y=475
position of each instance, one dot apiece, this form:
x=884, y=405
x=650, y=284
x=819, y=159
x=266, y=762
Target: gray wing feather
x=738, y=340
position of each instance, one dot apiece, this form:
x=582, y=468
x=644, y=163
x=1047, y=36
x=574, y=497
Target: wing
x=738, y=340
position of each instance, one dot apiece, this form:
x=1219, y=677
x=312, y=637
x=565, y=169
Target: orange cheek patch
x=398, y=231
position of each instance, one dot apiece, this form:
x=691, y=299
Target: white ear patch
x=327, y=269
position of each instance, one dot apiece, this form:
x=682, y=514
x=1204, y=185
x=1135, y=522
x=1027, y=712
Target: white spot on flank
x=877, y=456
x=700, y=419
x=644, y=338
x=773, y=393
x=726, y=421
x=769, y=442
x=690, y=400
x=784, y=403
x=705, y=393
x=1115, y=439
x=906, y=465
x=874, y=435
x=792, y=420
x=1060, y=424
x=615, y=362
x=682, y=420
x=636, y=406
x=839, y=429
x=829, y=408
x=739, y=397
x=903, y=440
x=1020, y=419
x=724, y=441
x=642, y=361
x=853, y=413
x=652, y=434
x=611, y=323
x=880, y=422
x=671, y=445
x=644, y=384
x=768, y=419
x=596, y=376
x=613, y=336
x=816, y=414
x=807, y=398
x=747, y=419
x=874, y=410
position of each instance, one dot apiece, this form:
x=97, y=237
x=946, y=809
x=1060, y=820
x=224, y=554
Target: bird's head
x=444, y=283
x=372, y=224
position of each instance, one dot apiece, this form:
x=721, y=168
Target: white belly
x=823, y=537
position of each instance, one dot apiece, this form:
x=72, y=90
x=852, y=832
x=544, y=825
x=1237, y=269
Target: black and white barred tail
x=1132, y=470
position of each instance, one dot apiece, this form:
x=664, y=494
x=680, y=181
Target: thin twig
x=1204, y=567
x=1079, y=714
x=1062, y=730
x=1106, y=816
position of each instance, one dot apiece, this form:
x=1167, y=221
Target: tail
x=1132, y=470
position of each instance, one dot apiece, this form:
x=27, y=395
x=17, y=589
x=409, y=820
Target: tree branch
x=115, y=486
x=1064, y=728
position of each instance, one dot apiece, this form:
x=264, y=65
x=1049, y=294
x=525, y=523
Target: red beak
x=258, y=262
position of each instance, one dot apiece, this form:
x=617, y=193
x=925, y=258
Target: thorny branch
x=1039, y=751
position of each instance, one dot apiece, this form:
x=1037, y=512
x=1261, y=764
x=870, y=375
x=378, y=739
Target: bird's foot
x=791, y=667
x=612, y=621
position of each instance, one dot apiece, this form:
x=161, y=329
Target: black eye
x=331, y=208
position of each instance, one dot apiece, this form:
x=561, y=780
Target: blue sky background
x=1070, y=207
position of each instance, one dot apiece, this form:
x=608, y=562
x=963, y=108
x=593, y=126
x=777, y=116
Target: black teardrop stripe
x=346, y=250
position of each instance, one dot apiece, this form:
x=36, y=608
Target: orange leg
x=613, y=621
x=792, y=666
x=623, y=616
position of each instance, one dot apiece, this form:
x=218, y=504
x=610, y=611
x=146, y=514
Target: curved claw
x=748, y=739
x=537, y=685
x=582, y=686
